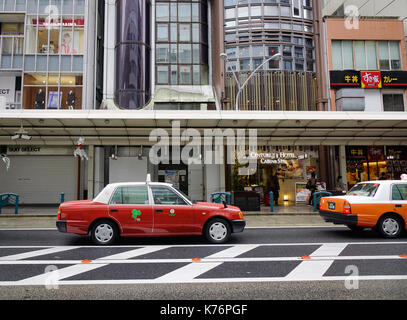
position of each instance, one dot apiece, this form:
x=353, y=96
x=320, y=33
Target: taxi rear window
x=364, y=190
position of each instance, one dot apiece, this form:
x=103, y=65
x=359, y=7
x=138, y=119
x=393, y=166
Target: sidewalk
x=45, y=217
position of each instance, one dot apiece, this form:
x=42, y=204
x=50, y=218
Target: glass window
x=185, y=75
x=184, y=12
x=395, y=59
x=244, y=51
x=130, y=195
x=162, y=12
x=347, y=50
x=243, y=12
x=271, y=11
x=162, y=32
x=162, y=74
x=399, y=192
x=384, y=55
x=184, y=51
x=371, y=52
x=255, y=11
x=337, y=55
x=364, y=190
x=165, y=196
x=245, y=65
x=360, y=55
x=185, y=32
x=230, y=13
x=393, y=102
x=162, y=53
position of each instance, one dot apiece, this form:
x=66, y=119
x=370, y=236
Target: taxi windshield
x=364, y=190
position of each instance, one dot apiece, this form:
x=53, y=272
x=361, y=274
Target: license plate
x=331, y=205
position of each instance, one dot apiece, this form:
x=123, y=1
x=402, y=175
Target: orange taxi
x=371, y=204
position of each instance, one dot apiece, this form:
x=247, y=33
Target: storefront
x=293, y=166
x=39, y=174
x=364, y=163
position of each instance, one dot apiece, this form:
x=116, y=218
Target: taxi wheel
x=217, y=231
x=390, y=226
x=104, y=232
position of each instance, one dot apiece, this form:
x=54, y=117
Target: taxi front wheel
x=217, y=231
x=390, y=226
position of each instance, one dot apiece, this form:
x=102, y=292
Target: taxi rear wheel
x=217, y=231
x=390, y=226
x=104, y=232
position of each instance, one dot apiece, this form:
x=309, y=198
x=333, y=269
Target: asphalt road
x=318, y=263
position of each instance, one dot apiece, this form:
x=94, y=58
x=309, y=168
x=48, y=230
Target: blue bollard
x=271, y=201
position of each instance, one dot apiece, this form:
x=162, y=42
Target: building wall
x=369, y=30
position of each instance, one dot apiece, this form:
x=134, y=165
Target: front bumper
x=238, y=225
x=339, y=218
x=61, y=225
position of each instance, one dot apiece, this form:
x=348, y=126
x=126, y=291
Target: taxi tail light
x=346, y=208
x=59, y=214
x=241, y=215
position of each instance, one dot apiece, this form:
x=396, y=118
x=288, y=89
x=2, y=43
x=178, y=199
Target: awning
x=111, y=127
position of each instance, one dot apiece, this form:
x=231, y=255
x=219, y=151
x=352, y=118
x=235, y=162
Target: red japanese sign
x=371, y=79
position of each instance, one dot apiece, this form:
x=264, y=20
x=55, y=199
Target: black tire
x=354, y=228
x=217, y=230
x=104, y=232
x=390, y=226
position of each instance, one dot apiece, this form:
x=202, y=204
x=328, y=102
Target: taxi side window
x=165, y=196
x=130, y=195
x=399, y=192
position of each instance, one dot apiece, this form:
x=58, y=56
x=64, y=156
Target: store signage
x=276, y=157
x=37, y=150
x=7, y=88
x=371, y=79
x=368, y=79
x=347, y=78
x=395, y=79
x=59, y=22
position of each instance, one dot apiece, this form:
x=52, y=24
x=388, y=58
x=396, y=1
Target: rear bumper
x=238, y=225
x=61, y=225
x=339, y=218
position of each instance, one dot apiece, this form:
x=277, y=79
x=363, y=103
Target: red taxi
x=147, y=209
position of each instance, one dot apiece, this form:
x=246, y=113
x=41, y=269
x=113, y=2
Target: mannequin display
x=70, y=101
x=40, y=100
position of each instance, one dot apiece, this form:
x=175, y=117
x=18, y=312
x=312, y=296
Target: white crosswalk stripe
x=313, y=267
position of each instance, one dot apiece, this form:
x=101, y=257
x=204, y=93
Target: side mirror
x=224, y=204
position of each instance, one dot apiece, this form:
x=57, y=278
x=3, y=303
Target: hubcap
x=104, y=233
x=390, y=226
x=218, y=231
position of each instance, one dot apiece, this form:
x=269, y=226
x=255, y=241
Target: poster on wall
x=302, y=194
x=172, y=176
x=53, y=102
x=7, y=91
x=68, y=45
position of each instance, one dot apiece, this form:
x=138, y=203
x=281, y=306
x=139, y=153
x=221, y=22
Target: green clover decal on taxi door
x=135, y=214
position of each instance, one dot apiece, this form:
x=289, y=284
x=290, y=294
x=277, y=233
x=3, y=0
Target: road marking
x=315, y=268
x=36, y=253
x=71, y=271
x=195, y=269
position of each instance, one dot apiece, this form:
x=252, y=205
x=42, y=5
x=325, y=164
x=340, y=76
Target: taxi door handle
x=159, y=210
x=114, y=210
x=398, y=205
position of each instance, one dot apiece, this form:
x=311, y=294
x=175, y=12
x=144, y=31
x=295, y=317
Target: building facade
x=180, y=73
